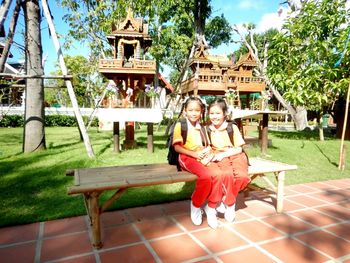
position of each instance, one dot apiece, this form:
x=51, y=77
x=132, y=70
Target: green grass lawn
x=33, y=186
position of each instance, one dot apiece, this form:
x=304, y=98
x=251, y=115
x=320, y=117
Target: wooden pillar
x=264, y=132
x=129, y=141
x=280, y=191
x=94, y=212
x=150, y=137
x=116, y=138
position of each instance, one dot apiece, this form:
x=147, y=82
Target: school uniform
x=208, y=183
x=234, y=168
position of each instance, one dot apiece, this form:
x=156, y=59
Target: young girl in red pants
x=194, y=157
x=229, y=156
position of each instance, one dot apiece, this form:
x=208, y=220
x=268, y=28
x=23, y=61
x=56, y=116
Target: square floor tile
x=177, y=249
x=64, y=226
x=289, y=250
x=158, y=228
x=327, y=243
x=186, y=222
x=136, y=253
x=18, y=253
x=80, y=259
x=245, y=256
x=219, y=240
x=114, y=218
x=302, y=188
x=20, y=233
x=177, y=208
x=119, y=235
x=145, y=213
x=341, y=230
x=333, y=196
x=289, y=206
x=259, y=209
x=322, y=185
x=256, y=231
x=306, y=201
x=337, y=211
x=65, y=246
x=315, y=218
x=287, y=224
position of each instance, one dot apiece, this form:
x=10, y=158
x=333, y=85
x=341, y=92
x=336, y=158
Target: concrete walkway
x=315, y=227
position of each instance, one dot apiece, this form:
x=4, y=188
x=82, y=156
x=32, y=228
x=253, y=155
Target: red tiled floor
x=176, y=208
x=327, y=243
x=114, y=218
x=246, y=255
x=157, y=228
x=64, y=226
x=213, y=239
x=120, y=235
x=18, y=253
x=287, y=224
x=315, y=218
x=14, y=234
x=289, y=250
x=177, y=249
x=306, y=201
x=257, y=235
x=136, y=253
x=144, y=213
x=256, y=231
x=65, y=246
x=341, y=230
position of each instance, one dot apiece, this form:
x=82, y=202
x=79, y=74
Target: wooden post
x=116, y=137
x=68, y=82
x=150, y=137
x=94, y=212
x=280, y=191
x=264, y=133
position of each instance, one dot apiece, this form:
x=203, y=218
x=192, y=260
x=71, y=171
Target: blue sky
x=263, y=13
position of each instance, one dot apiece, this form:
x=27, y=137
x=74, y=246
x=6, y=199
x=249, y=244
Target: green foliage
x=11, y=121
x=302, y=56
x=217, y=31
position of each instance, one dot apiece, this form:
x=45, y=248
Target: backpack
x=173, y=156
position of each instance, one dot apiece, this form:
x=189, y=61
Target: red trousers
x=235, y=176
x=209, y=181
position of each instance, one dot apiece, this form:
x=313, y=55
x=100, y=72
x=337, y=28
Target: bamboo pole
x=69, y=85
x=341, y=165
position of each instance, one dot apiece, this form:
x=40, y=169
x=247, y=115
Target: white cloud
x=272, y=20
x=246, y=4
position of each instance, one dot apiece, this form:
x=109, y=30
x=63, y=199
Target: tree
x=303, y=56
x=87, y=82
x=34, y=132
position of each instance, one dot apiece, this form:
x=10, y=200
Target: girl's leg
x=239, y=165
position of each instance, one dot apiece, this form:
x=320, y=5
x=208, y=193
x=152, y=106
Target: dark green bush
x=50, y=121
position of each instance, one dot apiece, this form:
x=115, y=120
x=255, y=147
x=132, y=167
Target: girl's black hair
x=220, y=103
x=191, y=99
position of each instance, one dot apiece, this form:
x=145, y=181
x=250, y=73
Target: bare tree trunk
x=298, y=114
x=34, y=129
x=10, y=35
x=5, y=5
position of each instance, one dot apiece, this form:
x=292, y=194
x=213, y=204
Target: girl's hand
x=218, y=157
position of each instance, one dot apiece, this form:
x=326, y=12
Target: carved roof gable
x=130, y=23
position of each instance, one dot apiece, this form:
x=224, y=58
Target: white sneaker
x=230, y=213
x=211, y=217
x=196, y=215
x=221, y=208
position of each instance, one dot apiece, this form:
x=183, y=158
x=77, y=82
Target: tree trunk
x=34, y=129
x=11, y=33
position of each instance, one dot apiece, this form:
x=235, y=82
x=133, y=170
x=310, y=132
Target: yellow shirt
x=220, y=138
x=193, y=140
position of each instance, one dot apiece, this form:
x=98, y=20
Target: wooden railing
x=132, y=63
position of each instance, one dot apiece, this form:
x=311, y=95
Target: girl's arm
x=229, y=152
x=180, y=149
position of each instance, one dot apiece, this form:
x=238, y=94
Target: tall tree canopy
x=303, y=56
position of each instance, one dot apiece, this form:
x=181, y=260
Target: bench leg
x=94, y=213
x=280, y=191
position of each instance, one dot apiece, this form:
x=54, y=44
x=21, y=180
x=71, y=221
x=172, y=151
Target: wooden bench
x=91, y=182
